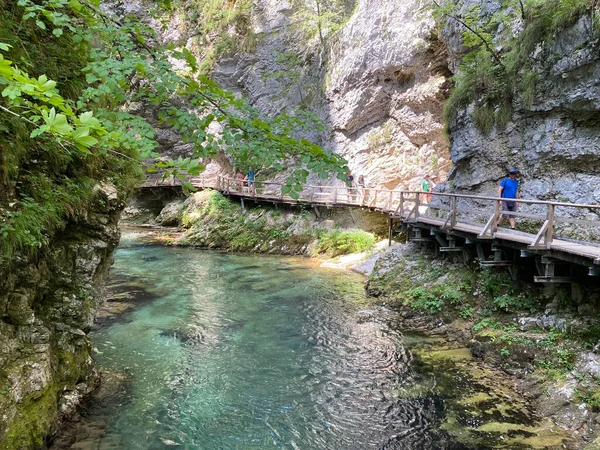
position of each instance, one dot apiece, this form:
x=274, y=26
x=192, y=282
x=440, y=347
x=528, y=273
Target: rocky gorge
x=377, y=74
x=48, y=306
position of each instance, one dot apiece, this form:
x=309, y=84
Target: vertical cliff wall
x=378, y=84
x=47, y=305
x=553, y=133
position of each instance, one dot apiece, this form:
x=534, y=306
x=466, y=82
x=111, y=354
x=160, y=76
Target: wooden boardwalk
x=451, y=220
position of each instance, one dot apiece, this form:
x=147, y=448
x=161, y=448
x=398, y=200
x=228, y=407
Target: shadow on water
x=244, y=352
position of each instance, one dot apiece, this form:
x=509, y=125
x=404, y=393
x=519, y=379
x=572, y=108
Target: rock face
x=385, y=89
x=555, y=142
x=47, y=306
x=378, y=84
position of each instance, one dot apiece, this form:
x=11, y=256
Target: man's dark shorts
x=509, y=206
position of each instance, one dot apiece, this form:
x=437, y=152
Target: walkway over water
x=556, y=232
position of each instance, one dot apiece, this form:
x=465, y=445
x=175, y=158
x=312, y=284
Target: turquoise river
x=226, y=351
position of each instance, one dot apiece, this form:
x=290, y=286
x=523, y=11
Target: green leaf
x=75, y=5
x=86, y=141
x=188, y=187
x=38, y=131
x=40, y=24
x=5, y=47
x=58, y=32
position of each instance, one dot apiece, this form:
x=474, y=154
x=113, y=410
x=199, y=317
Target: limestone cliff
x=553, y=138
x=47, y=305
x=377, y=78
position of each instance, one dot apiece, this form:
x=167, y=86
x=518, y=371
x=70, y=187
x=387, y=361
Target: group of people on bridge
x=508, y=189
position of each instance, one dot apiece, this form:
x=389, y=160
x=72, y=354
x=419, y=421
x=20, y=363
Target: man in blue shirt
x=509, y=189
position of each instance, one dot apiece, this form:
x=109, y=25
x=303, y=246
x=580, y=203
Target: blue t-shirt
x=510, y=188
x=250, y=175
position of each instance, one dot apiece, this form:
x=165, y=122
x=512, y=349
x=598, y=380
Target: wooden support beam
x=480, y=252
x=490, y=227
x=553, y=279
x=441, y=240
x=539, y=238
x=451, y=246
x=496, y=263
x=451, y=249
x=594, y=271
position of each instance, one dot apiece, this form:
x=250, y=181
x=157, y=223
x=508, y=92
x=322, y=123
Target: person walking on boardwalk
x=426, y=187
x=509, y=190
x=250, y=179
x=240, y=180
x=360, y=184
x=350, y=184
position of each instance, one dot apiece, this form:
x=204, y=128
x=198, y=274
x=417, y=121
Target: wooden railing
x=544, y=219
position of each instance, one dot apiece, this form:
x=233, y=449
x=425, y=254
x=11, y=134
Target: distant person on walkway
x=250, y=178
x=361, y=188
x=509, y=189
x=426, y=187
x=240, y=180
x=350, y=184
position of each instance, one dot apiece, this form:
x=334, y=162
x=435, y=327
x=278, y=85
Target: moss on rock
x=34, y=418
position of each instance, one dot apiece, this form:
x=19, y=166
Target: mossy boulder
x=212, y=220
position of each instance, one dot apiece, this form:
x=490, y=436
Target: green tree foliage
x=71, y=80
x=322, y=17
x=499, y=67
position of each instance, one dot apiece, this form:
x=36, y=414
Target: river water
x=254, y=352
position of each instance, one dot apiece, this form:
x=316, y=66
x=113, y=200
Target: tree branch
x=487, y=45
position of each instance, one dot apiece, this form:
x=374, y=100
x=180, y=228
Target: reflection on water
x=249, y=352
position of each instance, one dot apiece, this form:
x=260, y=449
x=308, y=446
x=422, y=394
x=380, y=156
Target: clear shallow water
x=253, y=352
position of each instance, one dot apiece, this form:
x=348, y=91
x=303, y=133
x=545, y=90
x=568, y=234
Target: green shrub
x=466, y=312
x=451, y=294
x=491, y=78
x=487, y=323
x=512, y=303
x=421, y=298
x=335, y=242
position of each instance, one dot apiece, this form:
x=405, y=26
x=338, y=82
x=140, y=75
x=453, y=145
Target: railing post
x=390, y=201
x=453, y=212
x=417, y=204
x=374, y=202
x=312, y=194
x=401, y=204
x=334, y=194
x=550, y=229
